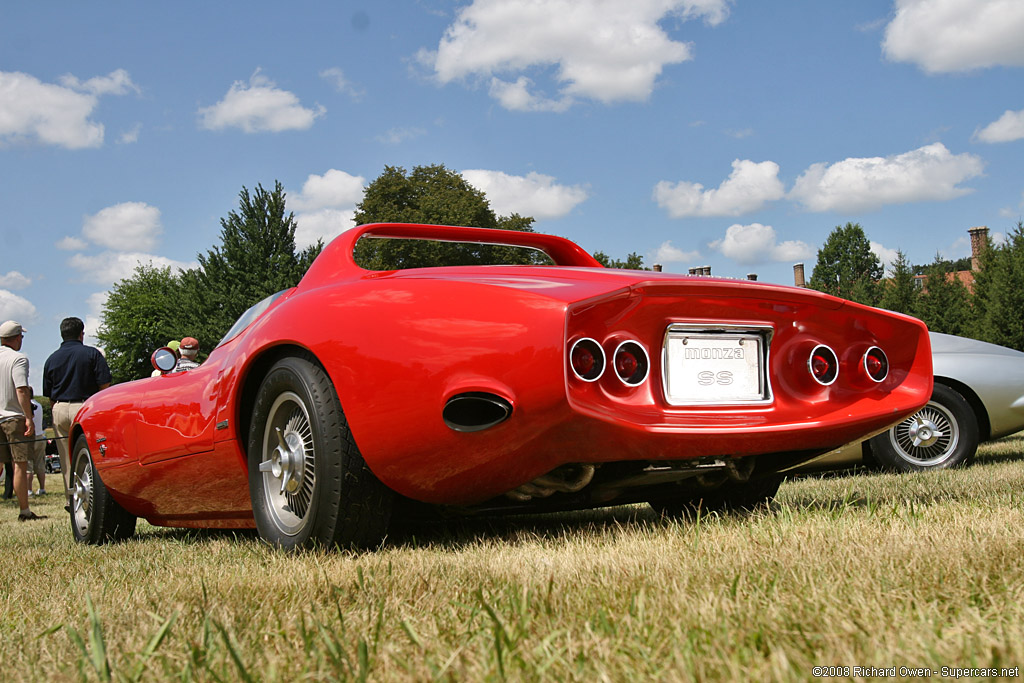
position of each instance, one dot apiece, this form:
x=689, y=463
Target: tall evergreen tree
x=433, y=195
x=999, y=292
x=847, y=267
x=899, y=292
x=944, y=305
x=256, y=257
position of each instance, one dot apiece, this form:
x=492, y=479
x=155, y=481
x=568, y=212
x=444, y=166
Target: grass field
x=867, y=570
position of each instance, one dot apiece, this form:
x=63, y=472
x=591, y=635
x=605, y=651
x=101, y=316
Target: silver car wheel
x=288, y=464
x=928, y=438
x=82, y=491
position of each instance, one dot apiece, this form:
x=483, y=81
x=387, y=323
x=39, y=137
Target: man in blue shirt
x=71, y=374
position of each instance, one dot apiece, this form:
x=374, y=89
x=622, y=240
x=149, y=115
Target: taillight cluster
x=823, y=364
x=629, y=361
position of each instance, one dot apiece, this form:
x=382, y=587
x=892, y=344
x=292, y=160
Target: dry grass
x=858, y=570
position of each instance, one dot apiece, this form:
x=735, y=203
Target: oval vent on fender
x=475, y=411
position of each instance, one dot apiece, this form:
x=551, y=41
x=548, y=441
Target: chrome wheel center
x=287, y=461
x=924, y=433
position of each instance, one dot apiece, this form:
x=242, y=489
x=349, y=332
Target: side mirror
x=164, y=359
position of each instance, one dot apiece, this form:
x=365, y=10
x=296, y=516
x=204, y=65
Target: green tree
x=633, y=262
x=141, y=314
x=999, y=292
x=944, y=305
x=433, y=195
x=899, y=293
x=256, y=257
x=847, y=267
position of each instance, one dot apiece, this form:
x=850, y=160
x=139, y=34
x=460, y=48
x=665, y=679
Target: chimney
x=657, y=267
x=798, y=275
x=979, y=238
x=693, y=271
x=705, y=270
x=752, y=277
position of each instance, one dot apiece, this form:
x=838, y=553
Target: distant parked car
x=978, y=396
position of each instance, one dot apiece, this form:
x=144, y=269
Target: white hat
x=11, y=329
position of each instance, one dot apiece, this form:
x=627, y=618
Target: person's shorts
x=37, y=463
x=13, y=446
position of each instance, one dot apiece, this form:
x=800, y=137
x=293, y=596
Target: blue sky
x=728, y=133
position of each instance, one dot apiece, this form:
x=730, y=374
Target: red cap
x=190, y=343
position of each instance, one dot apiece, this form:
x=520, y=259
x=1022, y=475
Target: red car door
x=177, y=414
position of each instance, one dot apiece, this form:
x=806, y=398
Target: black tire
x=310, y=486
x=96, y=518
x=950, y=430
x=728, y=497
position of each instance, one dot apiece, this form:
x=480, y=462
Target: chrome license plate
x=720, y=367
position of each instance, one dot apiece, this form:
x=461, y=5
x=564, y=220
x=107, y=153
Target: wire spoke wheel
x=927, y=438
x=944, y=433
x=288, y=464
x=82, y=491
x=309, y=485
x=96, y=518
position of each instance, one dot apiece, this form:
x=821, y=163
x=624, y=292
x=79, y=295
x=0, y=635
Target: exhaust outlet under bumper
x=476, y=411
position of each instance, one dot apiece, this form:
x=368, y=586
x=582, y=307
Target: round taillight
x=876, y=364
x=631, y=363
x=587, y=360
x=823, y=364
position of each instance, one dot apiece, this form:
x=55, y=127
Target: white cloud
x=94, y=317
x=757, y=243
x=131, y=135
x=14, y=307
x=956, y=35
x=884, y=254
x=1007, y=128
x=108, y=267
x=334, y=189
x=70, y=243
x=1008, y=212
x=259, y=107
x=336, y=77
x=14, y=280
x=325, y=224
x=931, y=173
x=748, y=188
x=397, y=136
x=33, y=111
x=600, y=50
x=130, y=226
x=533, y=195
x=327, y=206
x=116, y=83
x=516, y=96
x=667, y=253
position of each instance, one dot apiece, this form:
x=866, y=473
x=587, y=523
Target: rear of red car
x=535, y=374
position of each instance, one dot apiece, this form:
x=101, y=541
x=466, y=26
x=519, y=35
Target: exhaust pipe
x=475, y=411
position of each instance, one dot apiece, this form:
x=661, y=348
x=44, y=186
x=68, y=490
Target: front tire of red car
x=745, y=496
x=309, y=484
x=96, y=518
x=941, y=435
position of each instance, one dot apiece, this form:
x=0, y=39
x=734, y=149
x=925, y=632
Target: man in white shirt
x=17, y=431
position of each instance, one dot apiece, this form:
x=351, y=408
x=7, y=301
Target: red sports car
x=543, y=387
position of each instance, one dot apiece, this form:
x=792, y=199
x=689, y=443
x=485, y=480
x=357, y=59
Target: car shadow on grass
x=463, y=531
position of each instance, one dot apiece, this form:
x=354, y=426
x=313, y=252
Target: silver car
x=978, y=396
